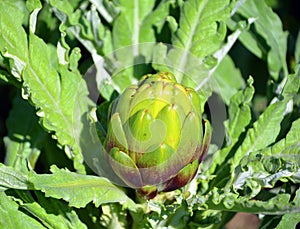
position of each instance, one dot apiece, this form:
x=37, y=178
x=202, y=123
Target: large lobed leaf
x=201, y=30
x=279, y=204
x=134, y=38
x=129, y=44
x=266, y=37
x=264, y=131
x=201, y=27
x=199, y=33
x=278, y=162
x=56, y=94
x=239, y=117
x=46, y=212
x=79, y=189
x=136, y=23
x=52, y=88
x=76, y=189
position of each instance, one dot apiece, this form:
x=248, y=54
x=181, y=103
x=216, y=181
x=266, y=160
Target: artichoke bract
x=156, y=136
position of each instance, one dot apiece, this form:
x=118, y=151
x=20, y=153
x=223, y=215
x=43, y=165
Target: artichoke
x=156, y=138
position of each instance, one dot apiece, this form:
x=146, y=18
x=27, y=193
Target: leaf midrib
x=51, y=98
x=189, y=42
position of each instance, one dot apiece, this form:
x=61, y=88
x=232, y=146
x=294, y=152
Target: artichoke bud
x=172, y=124
x=155, y=139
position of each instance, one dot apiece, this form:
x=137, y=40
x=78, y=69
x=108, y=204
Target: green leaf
x=11, y=217
x=263, y=132
x=271, y=43
x=106, y=8
x=54, y=90
x=262, y=170
x=11, y=178
x=291, y=220
x=239, y=112
x=286, y=149
x=87, y=28
x=58, y=95
x=134, y=38
x=13, y=40
x=224, y=201
x=79, y=189
x=228, y=79
x=201, y=30
x=291, y=85
x=293, y=136
x=135, y=25
x=239, y=116
x=64, y=6
x=52, y=213
x=113, y=217
x=25, y=136
x=278, y=162
x=34, y=6
x=224, y=65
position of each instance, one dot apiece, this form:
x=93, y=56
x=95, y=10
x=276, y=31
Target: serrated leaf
x=263, y=132
x=262, y=170
x=57, y=95
x=293, y=136
x=239, y=116
x=54, y=90
x=11, y=178
x=193, y=30
x=209, y=82
x=239, y=112
x=13, y=40
x=201, y=30
x=291, y=85
x=11, y=217
x=278, y=162
x=79, y=189
x=274, y=44
x=52, y=213
x=88, y=29
x=25, y=136
x=279, y=204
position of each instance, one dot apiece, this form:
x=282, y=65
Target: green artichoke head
x=156, y=137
